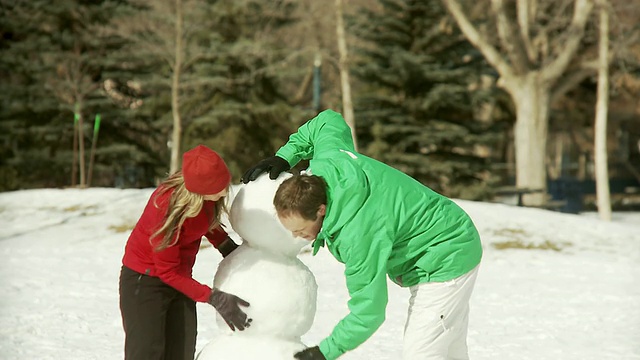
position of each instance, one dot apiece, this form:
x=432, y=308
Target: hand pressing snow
x=312, y=353
x=228, y=306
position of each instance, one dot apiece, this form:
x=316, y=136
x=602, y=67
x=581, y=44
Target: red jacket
x=174, y=264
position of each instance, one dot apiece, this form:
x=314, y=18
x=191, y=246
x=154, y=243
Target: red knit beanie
x=204, y=171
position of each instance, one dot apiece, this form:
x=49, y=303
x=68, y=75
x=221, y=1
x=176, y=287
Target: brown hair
x=183, y=204
x=301, y=195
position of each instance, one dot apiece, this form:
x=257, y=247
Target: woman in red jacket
x=158, y=294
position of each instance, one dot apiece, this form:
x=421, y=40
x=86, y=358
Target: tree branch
x=511, y=43
x=570, y=81
x=188, y=63
x=525, y=15
x=490, y=53
x=582, y=9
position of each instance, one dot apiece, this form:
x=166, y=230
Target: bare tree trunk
x=582, y=167
x=602, y=173
x=83, y=181
x=304, y=86
x=92, y=155
x=175, y=94
x=347, y=103
x=94, y=144
x=528, y=80
x=74, y=163
x=556, y=165
x=531, y=100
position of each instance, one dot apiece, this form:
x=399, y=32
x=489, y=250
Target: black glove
x=312, y=353
x=228, y=306
x=274, y=165
x=227, y=247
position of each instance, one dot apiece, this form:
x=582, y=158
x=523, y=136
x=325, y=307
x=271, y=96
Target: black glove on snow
x=228, y=306
x=312, y=353
x=274, y=165
x=227, y=247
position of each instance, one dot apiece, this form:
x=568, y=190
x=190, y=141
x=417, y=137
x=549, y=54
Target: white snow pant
x=436, y=327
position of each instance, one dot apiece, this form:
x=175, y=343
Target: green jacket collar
x=320, y=241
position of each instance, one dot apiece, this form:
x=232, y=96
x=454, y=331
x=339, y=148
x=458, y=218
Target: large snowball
x=242, y=347
x=253, y=217
x=282, y=292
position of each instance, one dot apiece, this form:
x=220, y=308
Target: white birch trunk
x=175, y=94
x=347, y=102
x=83, y=181
x=531, y=98
x=600, y=155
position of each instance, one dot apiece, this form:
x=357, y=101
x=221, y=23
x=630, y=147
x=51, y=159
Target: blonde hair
x=183, y=204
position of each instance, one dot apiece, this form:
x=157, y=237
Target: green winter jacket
x=379, y=221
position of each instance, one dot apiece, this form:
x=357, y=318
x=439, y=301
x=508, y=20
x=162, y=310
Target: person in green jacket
x=379, y=222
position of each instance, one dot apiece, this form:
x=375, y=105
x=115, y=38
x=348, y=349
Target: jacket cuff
x=227, y=246
x=329, y=349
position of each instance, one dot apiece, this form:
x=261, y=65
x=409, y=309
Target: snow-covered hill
x=551, y=286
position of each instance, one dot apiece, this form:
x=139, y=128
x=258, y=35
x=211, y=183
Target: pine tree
x=245, y=116
x=228, y=89
x=418, y=108
x=54, y=61
x=98, y=57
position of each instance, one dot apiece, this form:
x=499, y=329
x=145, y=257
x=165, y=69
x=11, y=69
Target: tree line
x=111, y=92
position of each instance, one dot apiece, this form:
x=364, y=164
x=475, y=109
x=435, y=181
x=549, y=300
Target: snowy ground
x=551, y=286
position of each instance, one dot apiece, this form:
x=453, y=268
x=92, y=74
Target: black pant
x=159, y=322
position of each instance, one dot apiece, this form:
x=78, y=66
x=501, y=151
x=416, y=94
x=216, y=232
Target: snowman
x=266, y=272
